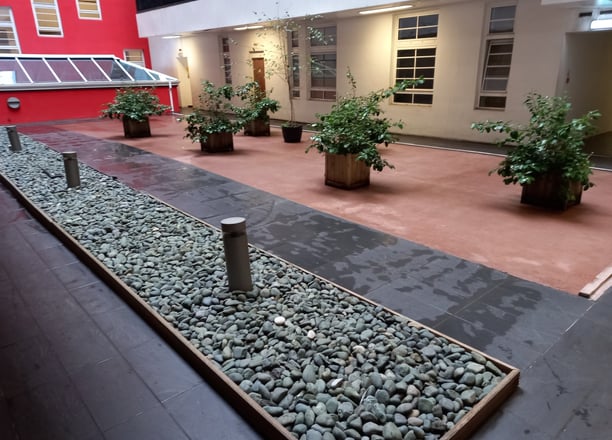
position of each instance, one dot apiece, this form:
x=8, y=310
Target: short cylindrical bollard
x=236, y=248
x=13, y=136
x=71, y=166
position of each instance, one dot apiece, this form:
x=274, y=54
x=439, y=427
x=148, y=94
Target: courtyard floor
x=436, y=240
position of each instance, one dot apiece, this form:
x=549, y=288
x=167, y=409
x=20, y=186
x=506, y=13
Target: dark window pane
x=426, y=62
x=503, y=12
x=405, y=53
x=428, y=20
x=423, y=99
x=407, y=22
x=428, y=32
x=492, y=102
x=406, y=34
x=404, y=73
x=405, y=62
x=295, y=40
x=430, y=51
x=495, y=85
x=500, y=60
x=144, y=5
x=497, y=71
x=501, y=48
x=426, y=73
x=427, y=84
x=323, y=36
x=498, y=27
x=403, y=98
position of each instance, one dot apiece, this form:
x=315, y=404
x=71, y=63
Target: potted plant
x=134, y=106
x=546, y=156
x=280, y=60
x=210, y=123
x=254, y=115
x=349, y=136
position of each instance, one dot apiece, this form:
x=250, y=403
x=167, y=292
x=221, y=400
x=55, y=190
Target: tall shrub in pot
x=133, y=106
x=352, y=132
x=254, y=114
x=211, y=123
x=546, y=156
x=280, y=61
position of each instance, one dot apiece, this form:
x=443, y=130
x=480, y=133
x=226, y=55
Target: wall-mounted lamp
x=381, y=10
x=13, y=103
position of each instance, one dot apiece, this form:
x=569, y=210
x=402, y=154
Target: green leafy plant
x=280, y=53
x=213, y=115
x=549, y=143
x=355, y=125
x=257, y=104
x=134, y=103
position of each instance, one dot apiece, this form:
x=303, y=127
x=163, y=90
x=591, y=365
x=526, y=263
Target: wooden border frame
x=252, y=412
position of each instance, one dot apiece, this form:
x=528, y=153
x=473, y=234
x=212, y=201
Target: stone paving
x=559, y=341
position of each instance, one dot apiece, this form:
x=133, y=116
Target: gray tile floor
x=76, y=362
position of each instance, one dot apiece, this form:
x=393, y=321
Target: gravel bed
x=324, y=363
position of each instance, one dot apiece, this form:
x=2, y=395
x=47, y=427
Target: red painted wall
x=115, y=32
x=51, y=105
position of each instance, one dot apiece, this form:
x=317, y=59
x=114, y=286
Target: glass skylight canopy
x=30, y=72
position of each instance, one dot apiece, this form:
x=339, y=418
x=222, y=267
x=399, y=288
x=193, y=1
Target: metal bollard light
x=236, y=248
x=13, y=136
x=71, y=166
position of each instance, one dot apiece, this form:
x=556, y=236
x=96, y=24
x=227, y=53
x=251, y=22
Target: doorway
x=259, y=73
x=588, y=84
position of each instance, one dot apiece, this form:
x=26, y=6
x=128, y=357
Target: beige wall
x=366, y=44
x=589, y=82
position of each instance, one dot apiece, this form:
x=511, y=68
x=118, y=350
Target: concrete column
x=236, y=248
x=71, y=166
x=13, y=136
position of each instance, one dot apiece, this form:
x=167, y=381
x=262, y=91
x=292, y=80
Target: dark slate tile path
x=74, y=358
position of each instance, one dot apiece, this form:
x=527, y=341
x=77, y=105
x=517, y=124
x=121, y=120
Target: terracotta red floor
x=443, y=199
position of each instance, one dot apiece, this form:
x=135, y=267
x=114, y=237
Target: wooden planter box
x=258, y=127
x=218, y=143
x=292, y=134
x=552, y=191
x=344, y=171
x=136, y=129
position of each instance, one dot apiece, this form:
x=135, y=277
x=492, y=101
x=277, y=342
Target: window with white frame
x=47, y=17
x=135, y=56
x=8, y=34
x=89, y=9
x=415, y=57
x=323, y=63
x=294, y=62
x=227, y=60
x=498, y=46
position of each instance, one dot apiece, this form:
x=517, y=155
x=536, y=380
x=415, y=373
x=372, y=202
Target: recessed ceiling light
x=381, y=10
x=170, y=37
x=244, y=28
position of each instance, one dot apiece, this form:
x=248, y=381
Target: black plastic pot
x=292, y=133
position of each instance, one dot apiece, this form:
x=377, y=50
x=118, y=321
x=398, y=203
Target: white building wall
x=366, y=45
